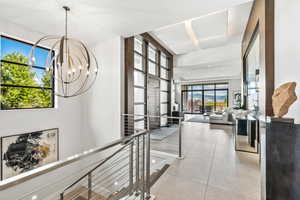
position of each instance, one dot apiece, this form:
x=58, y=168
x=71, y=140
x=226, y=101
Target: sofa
x=221, y=117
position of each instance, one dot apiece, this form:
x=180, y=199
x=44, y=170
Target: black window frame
x=187, y=90
x=52, y=89
x=145, y=70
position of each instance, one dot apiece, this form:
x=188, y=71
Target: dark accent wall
x=261, y=21
x=129, y=79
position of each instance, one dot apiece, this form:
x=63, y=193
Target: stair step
x=156, y=175
x=81, y=193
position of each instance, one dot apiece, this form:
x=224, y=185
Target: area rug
x=162, y=133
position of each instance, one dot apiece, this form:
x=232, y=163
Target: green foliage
x=18, y=97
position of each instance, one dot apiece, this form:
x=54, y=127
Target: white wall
x=85, y=121
x=287, y=48
x=102, y=104
x=67, y=116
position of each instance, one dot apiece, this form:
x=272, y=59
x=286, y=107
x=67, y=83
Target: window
x=151, y=53
x=221, y=99
x=139, y=95
x=197, y=101
x=138, y=61
x=204, y=98
x=163, y=109
x=164, y=83
x=150, y=61
x=151, y=67
x=139, y=82
x=164, y=73
x=23, y=87
x=163, y=97
x=139, y=78
x=163, y=60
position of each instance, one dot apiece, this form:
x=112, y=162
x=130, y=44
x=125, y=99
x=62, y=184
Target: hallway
x=211, y=169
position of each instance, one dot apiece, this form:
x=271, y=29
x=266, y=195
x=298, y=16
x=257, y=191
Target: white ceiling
x=96, y=20
x=211, y=30
x=206, y=32
x=208, y=46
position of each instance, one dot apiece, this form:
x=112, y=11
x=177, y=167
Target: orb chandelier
x=71, y=64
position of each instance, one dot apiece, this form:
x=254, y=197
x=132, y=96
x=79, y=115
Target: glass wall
x=209, y=101
x=204, y=98
x=164, y=87
x=197, y=101
x=149, y=60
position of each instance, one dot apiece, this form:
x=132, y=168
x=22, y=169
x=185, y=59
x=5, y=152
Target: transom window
x=23, y=87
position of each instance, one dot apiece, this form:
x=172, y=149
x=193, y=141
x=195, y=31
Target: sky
x=10, y=46
x=221, y=95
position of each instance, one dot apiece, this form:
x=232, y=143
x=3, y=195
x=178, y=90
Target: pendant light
x=71, y=64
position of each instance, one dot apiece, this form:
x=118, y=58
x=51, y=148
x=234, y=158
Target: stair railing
x=124, y=170
x=129, y=178
x=119, y=179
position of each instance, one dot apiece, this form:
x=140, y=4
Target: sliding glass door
x=187, y=102
x=197, y=102
x=221, y=100
x=209, y=101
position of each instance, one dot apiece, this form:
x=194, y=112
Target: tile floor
x=211, y=170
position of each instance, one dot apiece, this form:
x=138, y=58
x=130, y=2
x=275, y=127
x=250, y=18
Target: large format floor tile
x=178, y=188
x=211, y=170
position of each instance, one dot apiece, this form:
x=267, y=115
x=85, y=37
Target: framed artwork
x=24, y=152
x=237, y=99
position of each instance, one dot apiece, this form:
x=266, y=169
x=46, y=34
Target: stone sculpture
x=283, y=98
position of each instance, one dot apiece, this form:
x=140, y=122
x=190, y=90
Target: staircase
x=81, y=193
x=121, y=170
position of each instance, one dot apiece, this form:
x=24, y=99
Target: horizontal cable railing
x=56, y=165
x=123, y=169
x=114, y=180
x=165, y=131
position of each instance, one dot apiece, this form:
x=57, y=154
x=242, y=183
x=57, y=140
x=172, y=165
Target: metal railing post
x=137, y=165
x=89, y=186
x=148, y=195
x=180, y=156
x=131, y=169
x=143, y=169
x=61, y=196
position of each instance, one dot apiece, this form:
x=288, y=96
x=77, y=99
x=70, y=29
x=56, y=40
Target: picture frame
x=27, y=151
